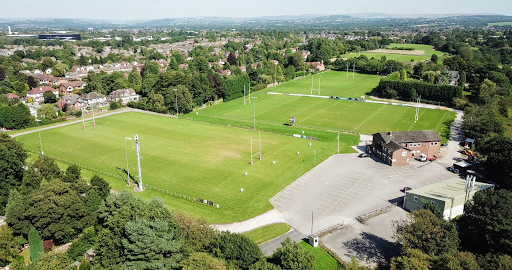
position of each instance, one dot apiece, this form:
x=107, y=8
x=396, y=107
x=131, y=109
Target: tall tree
x=291, y=256
x=36, y=245
x=101, y=186
x=427, y=233
x=232, y=60
x=49, y=97
x=434, y=58
x=12, y=163
x=47, y=168
x=237, y=249
x=8, y=245
x=197, y=234
x=55, y=210
x=486, y=225
x=151, y=245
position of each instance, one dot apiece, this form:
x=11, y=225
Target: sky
x=133, y=10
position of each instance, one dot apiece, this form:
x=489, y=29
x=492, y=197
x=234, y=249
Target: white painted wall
x=455, y=211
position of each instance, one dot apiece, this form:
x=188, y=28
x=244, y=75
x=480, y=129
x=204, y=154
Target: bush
x=114, y=105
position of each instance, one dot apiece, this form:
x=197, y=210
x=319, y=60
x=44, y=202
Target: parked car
x=362, y=155
x=405, y=189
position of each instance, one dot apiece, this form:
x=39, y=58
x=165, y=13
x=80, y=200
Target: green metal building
x=449, y=195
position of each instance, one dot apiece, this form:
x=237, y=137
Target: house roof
x=410, y=136
x=74, y=84
x=39, y=90
x=92, y=95
x=122, y=93
x=11, y=95
x=71, y=99
x=393, y=146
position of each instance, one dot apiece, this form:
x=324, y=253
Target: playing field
x=429, y=50
x=333, y=83
x=395, y=57
x=195, y=159
x=349, y=116
x=499, y=24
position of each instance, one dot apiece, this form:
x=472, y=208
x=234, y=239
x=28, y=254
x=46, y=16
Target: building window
x=431, y=144
x=435, y=143
x=415, y=198
x=419, y=144
x=415, y=145
x=410, y=145
x=404, y=154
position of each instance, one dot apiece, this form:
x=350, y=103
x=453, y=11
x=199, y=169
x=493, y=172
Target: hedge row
x=409, y=90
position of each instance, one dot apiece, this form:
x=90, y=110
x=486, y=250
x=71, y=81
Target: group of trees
x=481, y=241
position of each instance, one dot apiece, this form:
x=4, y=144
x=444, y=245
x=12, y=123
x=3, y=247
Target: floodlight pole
x=126, y=150
x=259, y=140
x=138, y=161
x=338, y=142
x=251, y=151
x=347, y=70
x=254, y=112
x=176, y=94
x=40, y=141
x=93, y=121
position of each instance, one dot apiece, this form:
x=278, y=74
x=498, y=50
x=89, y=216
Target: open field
x=395, y=57
x=323, y=261
x=195, y=159
x=268, y=232
x=340, y=115
x=429, y=50
x=499, y=24
x=333, y=83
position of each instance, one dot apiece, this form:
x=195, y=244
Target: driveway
x=450, y=153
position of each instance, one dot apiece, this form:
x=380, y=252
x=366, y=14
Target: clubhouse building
x=397, y=148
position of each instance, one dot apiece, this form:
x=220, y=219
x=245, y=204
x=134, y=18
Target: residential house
x=162, y=62
x=69, y=101
x=226, y=72
x=11, y=96
x=67, y=88
x=124, y=95
x=454, y=77
x=397, y=148
x=37, y=93
x=243, y=68
x=43, y=78
x=183, y=66
x=316, y=66
x=94, y=99
x=275, y=62
x=33, y=108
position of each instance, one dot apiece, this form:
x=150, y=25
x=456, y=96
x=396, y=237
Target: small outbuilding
x=449, y=196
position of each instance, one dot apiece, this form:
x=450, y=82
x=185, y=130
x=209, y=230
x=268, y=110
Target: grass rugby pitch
x=195, y=159
x=341, y=115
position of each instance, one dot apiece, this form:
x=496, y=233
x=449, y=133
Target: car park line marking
x=344, y=195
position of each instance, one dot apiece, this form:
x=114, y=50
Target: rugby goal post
x=89, y=121
x=259, y=153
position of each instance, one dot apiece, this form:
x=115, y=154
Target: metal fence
x=364, y=217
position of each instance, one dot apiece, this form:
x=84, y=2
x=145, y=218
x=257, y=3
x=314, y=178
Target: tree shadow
x=371, y=248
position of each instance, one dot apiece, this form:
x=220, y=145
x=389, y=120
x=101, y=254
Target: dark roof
x=393, y=146
x=410, y=136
